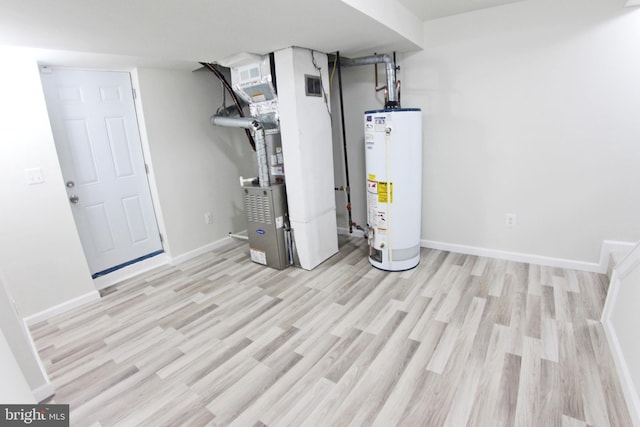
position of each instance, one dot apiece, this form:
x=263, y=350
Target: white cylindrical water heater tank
x=393, y=141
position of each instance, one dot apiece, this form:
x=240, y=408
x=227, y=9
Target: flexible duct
x=258, y=135
x=391, y=73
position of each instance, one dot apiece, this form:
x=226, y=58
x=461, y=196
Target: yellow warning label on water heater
x=385, y=192
x=371, y=177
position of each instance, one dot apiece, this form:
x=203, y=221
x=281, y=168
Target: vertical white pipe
x=389, y=194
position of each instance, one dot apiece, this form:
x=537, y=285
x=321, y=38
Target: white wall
x=195, y=165
x=40, y=251
x=624, y=320
x=530, y=108
x=20, y=347
x=358, y=85
x=13, y=387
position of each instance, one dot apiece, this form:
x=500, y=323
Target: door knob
x=74, y=198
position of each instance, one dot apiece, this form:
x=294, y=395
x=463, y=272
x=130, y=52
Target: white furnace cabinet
x=393, y=155
x=305, y=126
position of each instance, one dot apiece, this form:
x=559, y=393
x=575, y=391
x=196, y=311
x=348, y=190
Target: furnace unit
x=266, y=208
x=303, y=234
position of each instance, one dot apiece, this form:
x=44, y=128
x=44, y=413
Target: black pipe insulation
x=272, y=65
x=236, y=101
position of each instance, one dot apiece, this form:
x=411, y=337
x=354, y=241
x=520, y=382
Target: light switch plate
x=33, y=176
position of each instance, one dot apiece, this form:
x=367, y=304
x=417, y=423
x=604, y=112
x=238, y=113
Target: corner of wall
x=623, y=355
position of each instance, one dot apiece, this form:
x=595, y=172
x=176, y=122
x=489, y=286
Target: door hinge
x=146, y=168
x=161, y=238
x=133, y=91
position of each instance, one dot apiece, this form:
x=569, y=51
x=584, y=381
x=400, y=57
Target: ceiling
x=433, y=9
x=175, y=31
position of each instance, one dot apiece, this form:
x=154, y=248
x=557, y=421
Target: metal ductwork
x=236, y=122
x=257, y=130
x=392, y=101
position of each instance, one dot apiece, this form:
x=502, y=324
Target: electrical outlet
x=510, y=219
x=33, y=176
x=208, y=218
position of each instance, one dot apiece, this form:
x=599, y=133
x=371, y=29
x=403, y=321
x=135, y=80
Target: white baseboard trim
x=608, y=247
x=61, y=308
x=600, y=267
x=122, y=274
x=611, y=246
x=628, y=389
x=154, y=262
x=199, y=251
x=46, y=390
x=515, y=256
x=130, y=271
x=43, y=392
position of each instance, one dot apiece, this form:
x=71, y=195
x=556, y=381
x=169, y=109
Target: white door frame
x=164, y=258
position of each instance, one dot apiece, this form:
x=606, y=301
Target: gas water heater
x=393, y=157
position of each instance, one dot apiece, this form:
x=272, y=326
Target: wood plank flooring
x=219, y=340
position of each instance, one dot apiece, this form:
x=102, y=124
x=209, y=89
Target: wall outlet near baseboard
x=208, y=218
x=510, y=219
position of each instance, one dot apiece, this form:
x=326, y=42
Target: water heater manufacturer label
x=372, y=202
x=379, y=124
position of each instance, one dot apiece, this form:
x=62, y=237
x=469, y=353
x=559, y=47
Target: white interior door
x=95, y=128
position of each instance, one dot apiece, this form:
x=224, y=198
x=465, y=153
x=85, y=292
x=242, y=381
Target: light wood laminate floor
x=458, y=341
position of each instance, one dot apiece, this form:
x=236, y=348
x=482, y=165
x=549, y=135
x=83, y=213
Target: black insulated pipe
x=236, y=101
x=344, y=143
x=272, y=65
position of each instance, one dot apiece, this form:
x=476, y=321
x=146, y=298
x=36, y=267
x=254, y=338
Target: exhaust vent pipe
x=255, y=126
x=392, y=101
